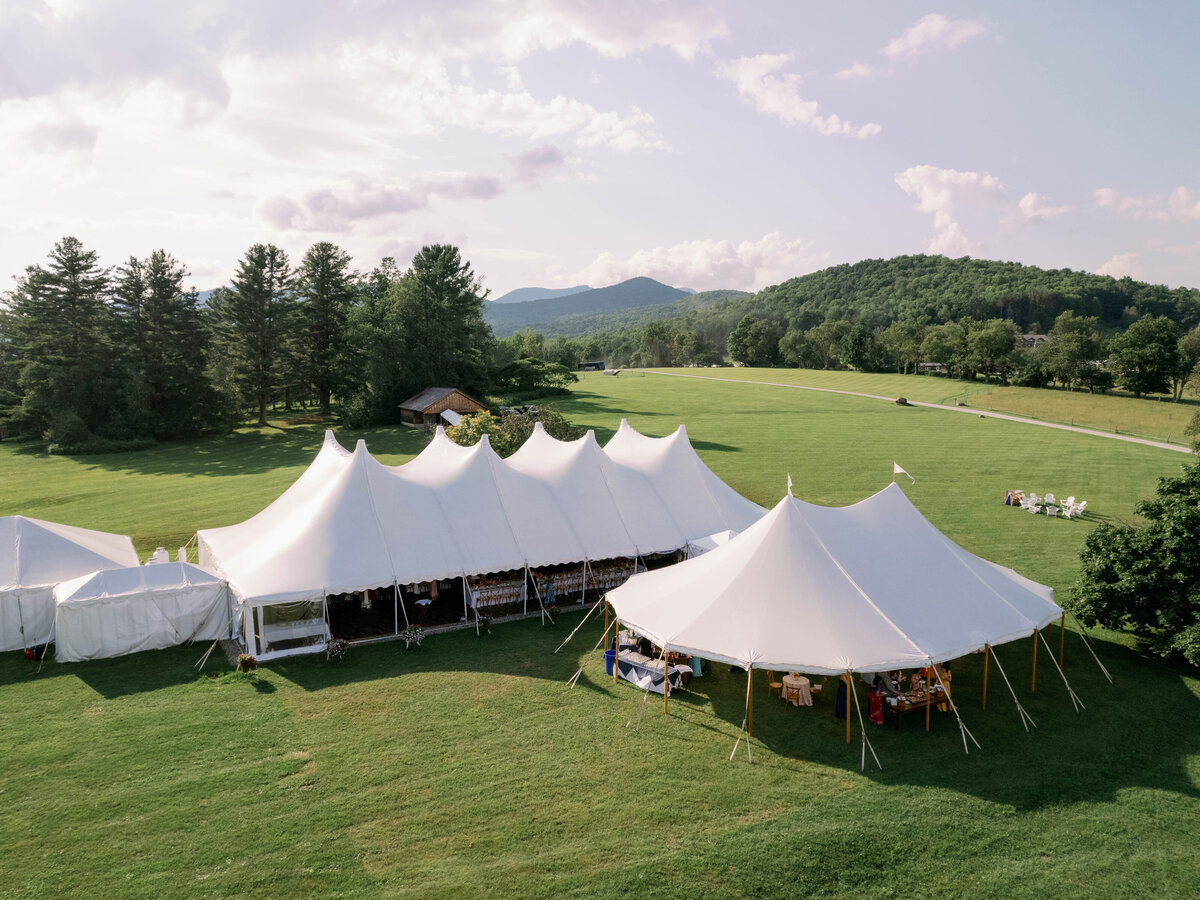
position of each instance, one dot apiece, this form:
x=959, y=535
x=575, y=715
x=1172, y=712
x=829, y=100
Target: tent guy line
x=1129, y=439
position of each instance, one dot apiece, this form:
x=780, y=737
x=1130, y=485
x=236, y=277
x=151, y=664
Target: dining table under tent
x=34, y=557
x=357, y=530
x=871, y=587
x=113, y=612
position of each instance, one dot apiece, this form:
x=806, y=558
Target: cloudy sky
x=705, y=144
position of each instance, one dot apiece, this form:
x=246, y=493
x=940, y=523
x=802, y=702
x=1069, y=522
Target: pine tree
x=59, y=331
x=324, y=292
x=164, y=342
x=255, y=316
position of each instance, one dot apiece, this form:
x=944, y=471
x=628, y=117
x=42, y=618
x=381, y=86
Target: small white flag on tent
x=896, y=470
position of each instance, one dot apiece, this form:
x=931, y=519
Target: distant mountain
x=508, y=318
x=578, y=324
x=523, y=295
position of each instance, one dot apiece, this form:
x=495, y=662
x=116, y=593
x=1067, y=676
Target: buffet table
x=912, y=702
x=646, y=671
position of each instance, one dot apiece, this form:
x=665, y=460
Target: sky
x=705, y=144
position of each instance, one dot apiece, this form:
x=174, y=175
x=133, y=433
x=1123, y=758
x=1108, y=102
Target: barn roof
x=422, y=401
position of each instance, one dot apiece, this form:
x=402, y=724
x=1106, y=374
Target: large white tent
x=117, y=611
x=350, y=523
x=34, y=557
x=864, y=588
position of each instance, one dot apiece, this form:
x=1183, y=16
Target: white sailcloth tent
x=118, y=611
x=350, y=523
x=34, y=557
x=863, y=588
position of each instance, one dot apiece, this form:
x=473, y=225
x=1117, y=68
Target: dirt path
x=1161, y=445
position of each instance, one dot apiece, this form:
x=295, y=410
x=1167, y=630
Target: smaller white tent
x=37, y=555
x=865, y=588
x=118, y=611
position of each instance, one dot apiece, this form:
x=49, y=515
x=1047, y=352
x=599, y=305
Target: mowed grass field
x=1157, y=419
x=468, y=769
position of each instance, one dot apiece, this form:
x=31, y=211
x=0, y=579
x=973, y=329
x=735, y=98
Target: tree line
x=107, y=358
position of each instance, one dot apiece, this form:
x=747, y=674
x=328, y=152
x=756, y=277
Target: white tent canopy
x=350, y=523
x=868, y=587
x=117, y=611
x=37, y=555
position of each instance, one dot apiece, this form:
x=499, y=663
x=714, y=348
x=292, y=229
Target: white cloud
x=760, y=83
x=946, y=193
x=1034, y=206
x=326, y=209
x=931, y=32
x=708, y=264
x=533, y=165
x=857, y=70
x=1182, y=205
x=1121, y=265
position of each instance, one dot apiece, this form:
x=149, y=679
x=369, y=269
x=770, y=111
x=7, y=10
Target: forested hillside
x=509, y=318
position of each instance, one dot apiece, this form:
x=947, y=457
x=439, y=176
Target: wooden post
x=750, y=702
x=928, y=694
x=616, y=649
x=606, y=618
x=1062, y=637
x=849, y=688
x=987, y=652
x=666, y=681
x=1033, y=677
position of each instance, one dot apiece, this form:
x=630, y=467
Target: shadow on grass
x=254, y=451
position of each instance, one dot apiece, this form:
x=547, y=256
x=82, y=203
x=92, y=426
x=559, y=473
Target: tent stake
x=580, y=625
x=1088, y=644
x=1026, y=719
x=574, y=679
x=1074, y=699
x=987, y=651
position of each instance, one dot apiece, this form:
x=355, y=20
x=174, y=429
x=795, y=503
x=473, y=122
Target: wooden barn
x=426, y=408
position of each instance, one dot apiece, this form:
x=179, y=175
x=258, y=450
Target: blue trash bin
x=610, y=660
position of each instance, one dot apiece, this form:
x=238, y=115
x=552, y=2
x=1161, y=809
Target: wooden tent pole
x=666, y=681
x=606, y=617
x=750, y=701
x=1062, y=637
x=849, y=688
x=1033, y=676
x=616, y=648
x=928, y=693
x=987, y=652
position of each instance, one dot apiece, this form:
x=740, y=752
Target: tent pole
x=466, y=615
x=849, y=688
x=1033, y=676
x=749, y=702
x=928, y=693
x=666, y=680
x=400, y=600
x=987, y=651
x=1062, y=637
x=617, y=653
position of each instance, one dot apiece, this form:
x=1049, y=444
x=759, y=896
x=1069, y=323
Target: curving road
x=1161, y=445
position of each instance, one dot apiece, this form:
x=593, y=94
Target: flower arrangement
x=336, y=650
x=413, y=634
x=246, y=662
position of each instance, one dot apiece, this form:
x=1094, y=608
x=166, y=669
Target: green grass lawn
x=1158, y=419
x=466, y=768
